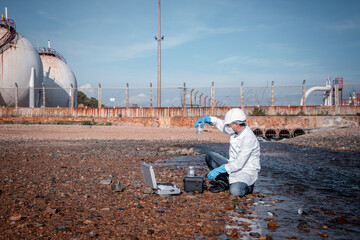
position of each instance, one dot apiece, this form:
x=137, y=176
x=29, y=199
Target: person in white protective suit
x=242, y=167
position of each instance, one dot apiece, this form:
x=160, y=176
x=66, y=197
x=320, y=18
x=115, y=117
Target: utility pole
x=159, y=38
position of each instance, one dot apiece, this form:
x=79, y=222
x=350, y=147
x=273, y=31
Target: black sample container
x=194, y=183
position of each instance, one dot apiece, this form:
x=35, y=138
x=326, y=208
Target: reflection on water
x=323, y=185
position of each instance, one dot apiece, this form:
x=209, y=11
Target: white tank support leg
x=31, y=89
x=71, y=96
x=16, y=96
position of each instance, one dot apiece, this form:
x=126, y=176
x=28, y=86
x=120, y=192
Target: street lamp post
x=159, y=38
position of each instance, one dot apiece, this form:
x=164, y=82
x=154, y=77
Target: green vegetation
x=62, y=123
x=88, y=123
x=120, y=115
x=85, y=122
x=323, y=113
x=257, y=111
x=301, y=113
x=83, y=99
x=8, y=122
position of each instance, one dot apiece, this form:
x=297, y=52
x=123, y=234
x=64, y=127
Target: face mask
x=229, y=130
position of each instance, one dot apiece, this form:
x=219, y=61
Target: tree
x=83, y=99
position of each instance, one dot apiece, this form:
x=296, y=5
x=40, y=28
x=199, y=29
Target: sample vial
x=199, y=129
x=191, y=171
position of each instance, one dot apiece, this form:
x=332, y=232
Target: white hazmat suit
x=244, y=154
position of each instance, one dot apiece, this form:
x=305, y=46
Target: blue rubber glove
x=203, y=120
x=216, y=171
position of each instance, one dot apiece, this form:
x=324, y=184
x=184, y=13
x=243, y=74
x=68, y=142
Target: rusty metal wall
x=175, y=111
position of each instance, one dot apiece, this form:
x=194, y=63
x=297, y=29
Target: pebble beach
x=56, y=183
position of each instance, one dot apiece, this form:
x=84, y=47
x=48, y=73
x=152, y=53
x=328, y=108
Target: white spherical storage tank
x=18, y=61
x=60, y=82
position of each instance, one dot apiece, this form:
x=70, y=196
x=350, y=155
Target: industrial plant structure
x=333, y=94
x=21, y=68
x=60, y=85
x=30, y=77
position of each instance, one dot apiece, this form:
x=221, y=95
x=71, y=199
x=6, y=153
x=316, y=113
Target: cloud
x=140, y=49
x=256, y=61
x=344, y=26
x=87, y=85
x=140, y=99
x=228, y=60
x=87, y=89
x=172, y=102
x=50, y=17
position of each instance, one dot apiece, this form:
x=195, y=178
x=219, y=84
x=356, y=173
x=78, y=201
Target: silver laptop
x=160, y=188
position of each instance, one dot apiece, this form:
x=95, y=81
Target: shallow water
x=323, y=184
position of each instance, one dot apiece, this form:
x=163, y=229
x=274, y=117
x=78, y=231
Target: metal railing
x=11, y=32
x=50, y=52
x=8, y=23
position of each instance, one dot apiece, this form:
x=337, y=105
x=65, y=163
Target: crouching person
x=238, y=173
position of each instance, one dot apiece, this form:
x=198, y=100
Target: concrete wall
x=273, y=126
x=180, y=117
x=176, y=111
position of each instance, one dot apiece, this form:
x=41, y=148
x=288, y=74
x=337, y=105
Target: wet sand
x=51, y=185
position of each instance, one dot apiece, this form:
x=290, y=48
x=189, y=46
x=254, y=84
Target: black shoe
x=218, y=186
x=223, y=177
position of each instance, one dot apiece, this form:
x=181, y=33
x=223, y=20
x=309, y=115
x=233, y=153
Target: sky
x=222, y=41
